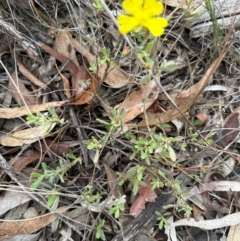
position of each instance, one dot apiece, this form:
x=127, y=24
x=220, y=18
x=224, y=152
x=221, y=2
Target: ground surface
x=106, y=137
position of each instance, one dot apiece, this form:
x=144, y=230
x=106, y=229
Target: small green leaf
x=117, y=213
x=36, y=175
x=121, y=182
x=36, y=184
x=51, y=200
x=169, y=67
x=172, y=154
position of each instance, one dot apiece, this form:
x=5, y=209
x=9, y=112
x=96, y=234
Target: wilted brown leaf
x=19, y=92
x=113, y=182
x=64, y=46
x=26, y=136
x=139, y=100
x=30, y=76
x=230, y=128
x=66, y=84
x=19, y=162
x=116, y=77
x=11, y=113
x=185, y=99
x=84, y=88
x=30, y=225
x=146, y=194
x=77, y=76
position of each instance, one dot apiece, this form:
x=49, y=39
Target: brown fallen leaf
x=11, y=113
x=66, y=84
x=19, y=162
x=19, y=92
x=202, y=116
x=59, y=148
x=84, y=88
x=77, y=76
x=185, y=99
x=26, y=136
x=64, y=46
x=230, y=128
x=115, y=78
x=146, y=194
x=30, y=225
x=112, y=179
x=30, y=76
x=138, y=101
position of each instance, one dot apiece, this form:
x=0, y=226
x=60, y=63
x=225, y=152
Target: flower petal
x=127, y=23
x=132, y=6
x=152, y=7
x=155, y=25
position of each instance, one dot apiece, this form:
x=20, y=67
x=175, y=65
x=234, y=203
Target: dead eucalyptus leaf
x=19, y=92
x=112, y=182
x=28, y=226
x=30, y=76
x=146, y=194
x=230, y=128
x=26, y=136
x=79, y=80
x=115, y=76
x=65, y=47
x=139, y=100
x=11, y=113
x=234, y=233
x=185, y=99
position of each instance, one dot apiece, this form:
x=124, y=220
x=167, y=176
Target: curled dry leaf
x=30, y=76
x=82, y=81
x=85, y=88
x=65, y=47
x=19, y=162
x=139, y=100
x=185, y=99
x=66, y=84
x=11, y=113
x=112, y=178
x=30, y=225
x=19, y=92
x=202, y=116
x=50, y=145
x=230, y=128
x=146, y=194
x=115, y=77
x=26, y=136
x=79, y=83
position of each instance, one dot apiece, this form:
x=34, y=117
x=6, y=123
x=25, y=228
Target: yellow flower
x=142, y=13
